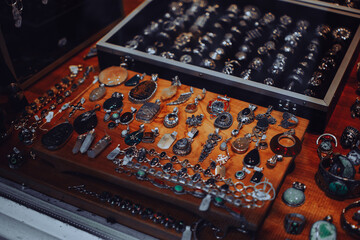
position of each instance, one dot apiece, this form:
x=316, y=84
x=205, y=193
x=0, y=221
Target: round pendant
x=246, y=116
x=171, y=119
x=97, y=94
x=57, y=136
x=323, y=230
x=240, y=145
x=143, y=92
x=294, y=196
x=224, y=120
x=113, y=76
x=182, y=147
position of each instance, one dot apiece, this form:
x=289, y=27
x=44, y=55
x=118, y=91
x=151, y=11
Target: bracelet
x=134, y=208
x=350, y=228
x=335, y=176
x=294, y=223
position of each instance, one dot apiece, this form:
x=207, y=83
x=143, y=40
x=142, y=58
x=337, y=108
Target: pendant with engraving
x=210, y=144
x=148, y=111
x=98, y=93
x=182, y=98
x=86, y=121
x=183, y=146
x=167, y=140
x=144, y=91
x=170, y=92
x=195, y=121
x=224, y=120
x=127, y=117
x=134, y=80
x=113, y=76
x=172, y=119
x=246, y=116
x=135, y=138
x=192, y=107
x=114, y=103
x=218, y=105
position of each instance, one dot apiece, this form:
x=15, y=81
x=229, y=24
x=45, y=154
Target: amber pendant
x=144, y=91
x=170, y=92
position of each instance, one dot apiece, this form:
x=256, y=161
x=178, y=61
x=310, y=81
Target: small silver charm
x=172, y=119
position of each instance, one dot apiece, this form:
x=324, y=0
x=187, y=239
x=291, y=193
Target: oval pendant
x=182, y=147
x=97, y=94
x=113, y=76
x=144, y=91
x=57, y=136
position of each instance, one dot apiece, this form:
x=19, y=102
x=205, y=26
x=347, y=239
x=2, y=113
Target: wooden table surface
x=316, y=206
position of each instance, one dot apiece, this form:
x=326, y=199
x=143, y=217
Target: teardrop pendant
x=252, y=159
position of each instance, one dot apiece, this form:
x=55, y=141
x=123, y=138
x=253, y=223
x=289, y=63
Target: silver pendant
x=148, y=111
x=172, y=119
x=127, y=117
x=224, y=120
x=144, y=91
x=167, y=140
x=182, y=98
x=79, y=141
x=192, y=107
x=114, y=153
x=220, y=170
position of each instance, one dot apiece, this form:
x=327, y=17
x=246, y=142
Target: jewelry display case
x=261, y=52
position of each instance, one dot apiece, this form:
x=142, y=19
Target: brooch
x=218, y=105
x=113, y=76
x=144, y=91
x=148, y=111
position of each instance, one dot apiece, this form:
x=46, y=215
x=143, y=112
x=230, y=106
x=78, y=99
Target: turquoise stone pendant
x=294, y=196
x=323, y=229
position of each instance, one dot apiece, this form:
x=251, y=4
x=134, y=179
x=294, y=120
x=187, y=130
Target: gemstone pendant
x=252, y=159
x=182, y=147
x=128, y=117
x=113, y=76
x=323, y=229
x=148, y=111
x=98, y=93
x=167, y=140
x=144, y=91
x=224, y=120
x=134, y=80
x=218, y=105
x=170, y=92
x=294, y=196
x=114, y=103
x=192, y=107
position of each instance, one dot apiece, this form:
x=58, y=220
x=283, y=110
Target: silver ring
x=171, y=119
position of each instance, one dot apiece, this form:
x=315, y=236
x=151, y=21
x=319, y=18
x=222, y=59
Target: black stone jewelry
x=127, y=117
x=86, y=121
x=114, y=103
x=57, y=136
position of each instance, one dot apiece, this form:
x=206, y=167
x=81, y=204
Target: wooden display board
x=101, y=168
